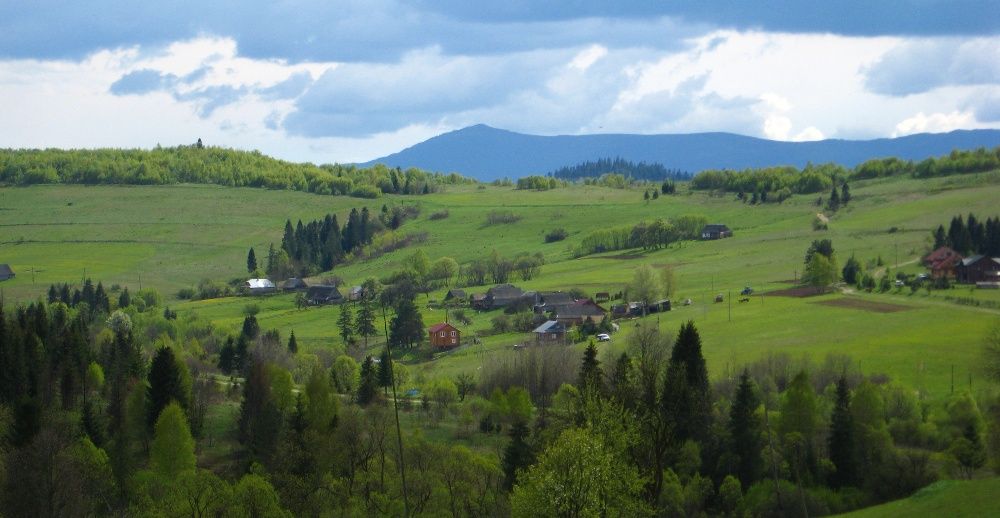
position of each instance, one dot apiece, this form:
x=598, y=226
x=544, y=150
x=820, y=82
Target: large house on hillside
x=259, y=286
x=716, y=231
x=444, y=335
x=322, y=295
x=550, y=332
x=979, y=269
x=942, y=262
x=579, y=311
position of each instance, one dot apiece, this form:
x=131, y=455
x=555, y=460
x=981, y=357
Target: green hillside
x=958, y=499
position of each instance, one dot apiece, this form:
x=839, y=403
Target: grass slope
x=177, y=235
x=952, y=498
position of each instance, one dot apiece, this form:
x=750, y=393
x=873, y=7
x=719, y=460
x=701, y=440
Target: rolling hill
x=488, y=153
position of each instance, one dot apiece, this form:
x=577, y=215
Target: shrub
x=366, y=191
x=185, y=293
x=502, y=217
x=441, y=214
x=554, y=235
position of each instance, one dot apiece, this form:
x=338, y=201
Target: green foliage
x=841, y=440
x=625, y=170
x=538, y=183
x=745, y=434
x=165, y=384
x=172, y=450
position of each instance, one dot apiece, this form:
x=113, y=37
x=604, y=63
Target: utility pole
x=395, y=407
x=730, y=305
x=140, y=281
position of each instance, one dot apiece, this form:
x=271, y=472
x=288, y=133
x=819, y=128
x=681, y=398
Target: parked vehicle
x=747, y=291
x=603, y=337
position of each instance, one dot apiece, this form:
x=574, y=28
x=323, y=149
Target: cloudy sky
x=341, y=81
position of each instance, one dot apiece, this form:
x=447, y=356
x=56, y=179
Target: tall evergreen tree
x=164, y=385
x=834, y=203
x=227, y=356
x=940, y=237
x=621, y=380
x=518, y=454
x=841, y=441
x=977, y=234
x=745, y=432
x=345, y=323
x=407, y=327
x=251, y=329
x=845, y=194
x=124, y=299
x=591, y=378
x=293, y=345
x=958, y=236
x=260, y=419
x=251, y=261
x=385, y=370
x=368, y=387
x=365, y=319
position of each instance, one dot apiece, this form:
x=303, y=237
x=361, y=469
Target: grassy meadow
x=174, y=236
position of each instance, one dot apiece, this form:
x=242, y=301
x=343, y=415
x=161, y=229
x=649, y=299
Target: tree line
x=212, y=165
x=957, y=162
x=970, y=235
x=648, y=236
x=635, y=171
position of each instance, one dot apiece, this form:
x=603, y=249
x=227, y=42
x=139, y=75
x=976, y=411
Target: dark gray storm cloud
x=384, y=30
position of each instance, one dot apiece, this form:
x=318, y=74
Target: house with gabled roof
x=978, y=269
x=578, y=312
x=552, y=331
x=502, y=295
x=259, y=286
x=444, y=335
x=716, y=231
x=323, y=295
x=942, y=262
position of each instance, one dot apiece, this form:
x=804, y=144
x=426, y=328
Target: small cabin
x=259, y=286
x=551, y=331
x=444, y=335
x=323, y=295
x=716, y=231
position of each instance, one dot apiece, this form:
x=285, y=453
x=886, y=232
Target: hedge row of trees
x=775, y=183
x=957, y=162
x=648, y=236
x=970, y=235
x=538, y=183
x=212, y=165
x=625, y=168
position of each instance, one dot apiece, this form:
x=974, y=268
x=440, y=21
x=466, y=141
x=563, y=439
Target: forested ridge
x=618, y=165
x=212, y=165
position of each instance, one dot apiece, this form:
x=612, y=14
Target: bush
x=186, y=293
x=554, y=235
x=366, y=191
x=502, y=217
x=441, y=214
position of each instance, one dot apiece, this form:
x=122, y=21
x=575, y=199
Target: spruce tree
x=227, y=356
x=365, y=319
x=293, y=345
x=368, y=387
x=745, y=432
x=251, y=261
x=406, y=328
x=385, y=371
x=940, y=238
x=124, y=299
x=845, y=194
x=834, y=203
x=518, y=454
x=621, y=381
x=687, y=351
x=164, y=384
x=345, y=323
x=251, y=329
x=590, y=378
x=841, y=441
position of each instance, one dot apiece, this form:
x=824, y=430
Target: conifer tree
x=251, y=329
x=590, y=378
x=940, y=238
x=385, y=371
x=745, y=431
x=124, y=299
x=834, y=203
x=368, y=387
x=260, y=418
x=164, y=384
x=841, y=442
x=407, y=327
x=845, y=194
x=621, y=381
x=227, y=356
x=293, y=345
x=251, y=261
x=345, y=323
x=518, y=454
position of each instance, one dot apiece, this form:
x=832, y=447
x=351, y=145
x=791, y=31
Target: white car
x=603, y=337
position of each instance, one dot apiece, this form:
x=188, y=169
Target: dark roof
x=295, y=282
x=556, y=297
x=5, y=270
x=580, y=309
x=972, y=259
x=323, y=293
x=715, y=227
x=505, y=291
x=455, y=294
x=551, y=326
x=443, y=325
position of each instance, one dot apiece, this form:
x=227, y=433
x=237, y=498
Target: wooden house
x=978, y=269
x=259, y=286
x=455, y=296
x=294, y=284
x=716, y=231
x=551, y=331
x=444, y=335
x=942, y=262
x=323, y=295
x=578, y=312
x=502, y=295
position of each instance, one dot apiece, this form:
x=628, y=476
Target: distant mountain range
x=488, y=153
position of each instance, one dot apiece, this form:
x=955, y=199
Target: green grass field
x=173, y=236
x=952, y=498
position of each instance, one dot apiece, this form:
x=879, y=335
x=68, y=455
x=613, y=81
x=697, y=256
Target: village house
x=455, y=296
x=942, y=262
x=294, y=284
x=578, y=312
x=444, y=335
x=355, y=293
x=716, y=231
x=552, y=301
x=602, y=296
x=259, y=286
x=550, y=332
x=979, y=270
x=478, y=301
x=502, y=295
x=322, y=295
x=5, y=272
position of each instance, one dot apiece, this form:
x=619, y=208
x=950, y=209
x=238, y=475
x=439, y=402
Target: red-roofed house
x=942, y=262
x=444, y=335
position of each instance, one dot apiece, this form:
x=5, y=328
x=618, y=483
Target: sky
x=348, y=81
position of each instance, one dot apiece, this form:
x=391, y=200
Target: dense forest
x=212, y=165
x=627, y=168
x=970, y=235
